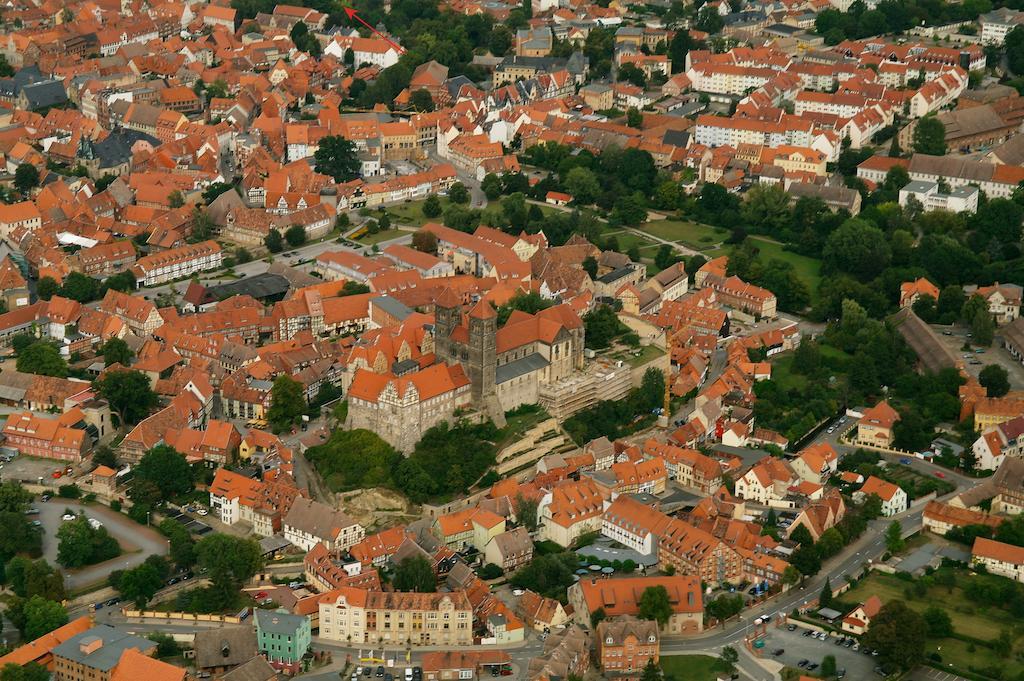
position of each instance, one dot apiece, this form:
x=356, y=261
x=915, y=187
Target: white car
x=517, y=592
x=201, y=511
x=67, y=516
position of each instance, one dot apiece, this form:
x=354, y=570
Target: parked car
x=37, y=523
x=32, y=511
x=56, y=474
x=202, y=511
x=905, y=461
x=803, y=664
x=939, y=474
x=44, y=498
x=67, y=517
x=791, y=627
x=778, y=651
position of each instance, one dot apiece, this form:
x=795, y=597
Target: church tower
x=447, y=316
x=483, y=358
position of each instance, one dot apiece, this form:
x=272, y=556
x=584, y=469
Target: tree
x=983, y=328
x=116, y=351
x=26, y=178
x=47, y=288
x=652, y=672
x=338, y=158
x=582, y=184
x=295, y=236
x=597, y=617
x=790, y=575
x=287, y=403
x=42, y=359
x=894, y=537
x=274, y=241
x=828, y=666
x=728, y=658
x=825, y=599
x=938, y=621
x=176, y=199
x=655, y=605
x=458, y=193
x=898, y=634
x=490, y=186
x=80, y=287
x=806, y=560
x=182, y=545
x=229, y=562
x=634, y=118
x=164, y=470
x=526, y=512
x=858, y=248
x=930, y=136
x=140, y=584
x=37, y=616
x=709, y=21
x=33, y=671
x=421, y=101
x=432, y=207
x=129, y=394
x=1015, y=50
x=995, y=379
x=590, y=266
x=415, y=574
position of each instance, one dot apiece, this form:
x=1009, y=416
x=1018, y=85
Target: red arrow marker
x=353, y=14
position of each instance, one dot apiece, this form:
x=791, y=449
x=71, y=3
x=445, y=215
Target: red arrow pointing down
x=354, y=14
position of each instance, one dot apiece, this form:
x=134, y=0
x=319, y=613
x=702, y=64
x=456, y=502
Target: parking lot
x=797, y=647
x=36, y=471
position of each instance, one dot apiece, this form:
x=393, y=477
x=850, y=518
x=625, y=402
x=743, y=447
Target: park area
x=979, y=607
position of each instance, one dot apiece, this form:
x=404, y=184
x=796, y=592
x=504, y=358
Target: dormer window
x=609, y=640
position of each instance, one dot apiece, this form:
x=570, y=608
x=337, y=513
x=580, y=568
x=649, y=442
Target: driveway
x=137, y=542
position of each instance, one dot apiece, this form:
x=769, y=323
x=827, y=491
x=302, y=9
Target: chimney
x=90, y=644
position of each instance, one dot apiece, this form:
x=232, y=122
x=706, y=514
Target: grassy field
x=689, y=667
x=696, y=236
x=808, y=269
x=371, y=239
x=412, y=213
x=969, y=619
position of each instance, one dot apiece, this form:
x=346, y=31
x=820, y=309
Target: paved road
x=137, y=542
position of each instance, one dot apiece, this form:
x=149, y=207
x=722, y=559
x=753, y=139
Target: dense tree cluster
x=446, y=461
x=82, y=544
x=892, y=16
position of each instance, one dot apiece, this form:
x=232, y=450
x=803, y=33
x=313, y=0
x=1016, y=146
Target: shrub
x=69, y=491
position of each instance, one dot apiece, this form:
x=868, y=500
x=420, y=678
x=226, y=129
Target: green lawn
x=689, y=667
x=411, y=213
x=371, y=239
x=696, y=236
x=783, y=374
x=808, y=269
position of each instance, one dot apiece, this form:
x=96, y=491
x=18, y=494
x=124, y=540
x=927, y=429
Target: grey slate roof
x=278, y=622
x=520, y=367
x=105, y=657
x=46, y=93
x=264, y=285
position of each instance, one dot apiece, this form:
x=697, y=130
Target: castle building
x=479, y=366
x=512, y=362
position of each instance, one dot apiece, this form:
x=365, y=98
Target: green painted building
x=281, y=636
